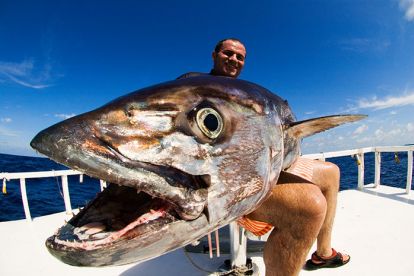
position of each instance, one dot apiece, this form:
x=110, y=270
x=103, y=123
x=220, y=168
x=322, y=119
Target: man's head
x=228, y=57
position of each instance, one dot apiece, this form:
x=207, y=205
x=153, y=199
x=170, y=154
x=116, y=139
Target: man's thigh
x=293, y=197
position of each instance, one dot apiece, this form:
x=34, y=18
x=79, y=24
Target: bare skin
x=297, y=209
x=326, y=177
x=301, y=210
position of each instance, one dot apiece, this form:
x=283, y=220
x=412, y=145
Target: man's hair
x=220, y=43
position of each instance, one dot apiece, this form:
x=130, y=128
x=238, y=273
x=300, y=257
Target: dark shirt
x=196, y=74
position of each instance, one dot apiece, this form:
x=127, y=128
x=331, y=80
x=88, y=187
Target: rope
x=58, y=185
x=234, y=271
x=194, y=264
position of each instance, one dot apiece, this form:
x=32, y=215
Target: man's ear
x=213, y=55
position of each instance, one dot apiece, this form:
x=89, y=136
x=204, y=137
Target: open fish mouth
x=117, y=213
x=120, y=213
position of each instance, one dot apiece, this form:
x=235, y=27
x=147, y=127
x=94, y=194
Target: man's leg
x=297, y=210
x=326, y=177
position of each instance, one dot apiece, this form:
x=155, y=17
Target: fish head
x=184, y=158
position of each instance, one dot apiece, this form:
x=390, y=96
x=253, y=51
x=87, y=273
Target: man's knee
x=310, y=214
x=314, y=204
x=332, y=168
x=326, y=176
x=307, y=207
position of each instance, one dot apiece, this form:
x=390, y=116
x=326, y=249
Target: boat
x=374, y=224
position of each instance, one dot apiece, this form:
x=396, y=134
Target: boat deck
x=374, y=226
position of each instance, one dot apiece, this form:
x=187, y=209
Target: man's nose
x=233, y=58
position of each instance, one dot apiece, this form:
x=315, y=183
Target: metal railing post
x=238, y=245
x=377, y=179
x=409, y=171
x=66, y=196
x=361, y=170
x=24, y=199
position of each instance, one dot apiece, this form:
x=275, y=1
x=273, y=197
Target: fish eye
x=210, y=122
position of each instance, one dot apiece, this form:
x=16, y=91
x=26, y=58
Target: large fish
x=185, y=157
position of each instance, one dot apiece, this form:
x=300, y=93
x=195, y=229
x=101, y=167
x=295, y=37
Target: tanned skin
x=301, y=210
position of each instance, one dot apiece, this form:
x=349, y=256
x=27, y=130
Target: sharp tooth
x=195, y=243
x=92, y=228
x=100, y=236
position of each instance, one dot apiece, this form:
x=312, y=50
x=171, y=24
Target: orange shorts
x=258, y=228
x=302, y=167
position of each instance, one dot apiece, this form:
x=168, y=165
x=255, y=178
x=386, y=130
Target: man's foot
x=337, y=259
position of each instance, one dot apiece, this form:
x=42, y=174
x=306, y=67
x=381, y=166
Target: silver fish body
x=185, y=157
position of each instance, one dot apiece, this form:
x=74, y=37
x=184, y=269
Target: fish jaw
x=107, y=232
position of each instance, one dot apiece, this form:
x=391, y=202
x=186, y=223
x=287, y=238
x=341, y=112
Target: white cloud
x=364, y=140
x=64, y=116
x=393, y=112
x=361, y=129
x=375, y=132
x=7, y=132
x=392, y=101
x=25, y=74
x=395, y=132
x=408, y=7
x=6, y=120
x=361, y=45
x=379, y=133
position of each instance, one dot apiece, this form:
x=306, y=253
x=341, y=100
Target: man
x=302, y=205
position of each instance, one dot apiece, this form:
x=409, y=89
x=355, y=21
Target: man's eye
x=228, y=53
x=240, y=57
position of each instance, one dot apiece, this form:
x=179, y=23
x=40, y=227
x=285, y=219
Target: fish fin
x=301, y=129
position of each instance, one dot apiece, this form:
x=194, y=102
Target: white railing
x=63, y=174
x=359, y=154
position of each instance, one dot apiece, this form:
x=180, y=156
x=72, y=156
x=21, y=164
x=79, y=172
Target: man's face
x=229, y=61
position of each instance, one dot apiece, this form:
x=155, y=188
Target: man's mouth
x=231, y=67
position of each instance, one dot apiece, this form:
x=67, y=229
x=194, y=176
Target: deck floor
x=374, y=226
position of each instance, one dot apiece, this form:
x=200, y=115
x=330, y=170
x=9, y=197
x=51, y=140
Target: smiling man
x=228, y=58
x=302, y=205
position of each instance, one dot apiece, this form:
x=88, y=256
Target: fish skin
x=150, y=140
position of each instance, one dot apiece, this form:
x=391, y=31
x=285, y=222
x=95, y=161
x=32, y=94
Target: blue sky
x=62, y=58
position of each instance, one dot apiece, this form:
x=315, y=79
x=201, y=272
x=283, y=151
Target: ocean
x=45, y=194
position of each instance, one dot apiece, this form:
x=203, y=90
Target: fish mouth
x=117, y=213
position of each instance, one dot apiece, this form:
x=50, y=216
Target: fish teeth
x=92, y=228
x=100, y=236
x=195, y=243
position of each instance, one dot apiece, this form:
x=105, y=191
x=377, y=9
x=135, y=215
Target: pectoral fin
x=301, y=129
